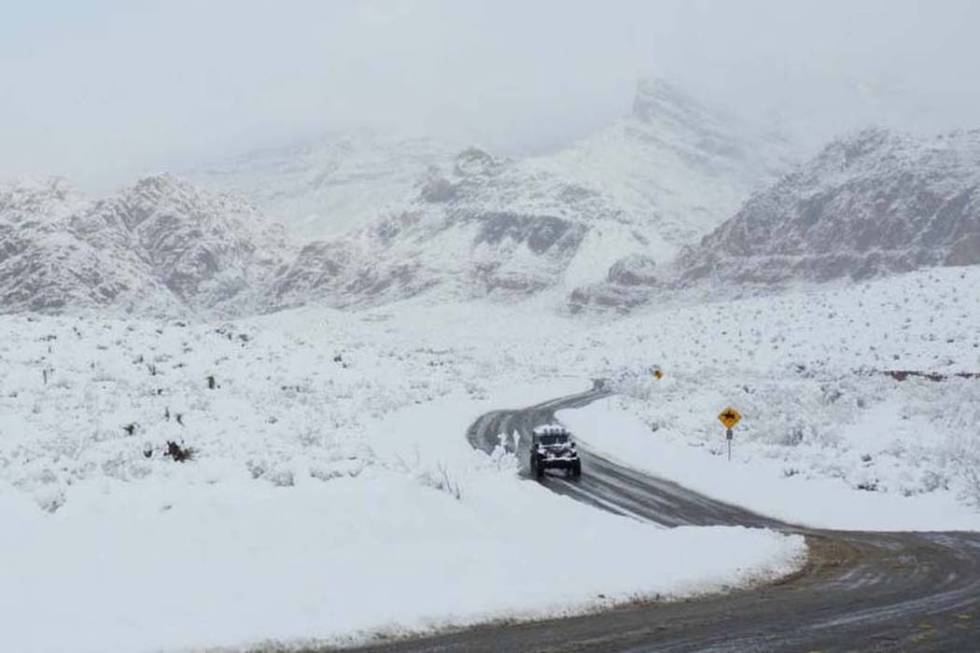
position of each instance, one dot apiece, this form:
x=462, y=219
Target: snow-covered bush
x=959, y=408
x=441, y=478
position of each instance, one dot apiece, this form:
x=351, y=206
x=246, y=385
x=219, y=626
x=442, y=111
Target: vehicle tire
x=577, y=468
x=539, y=469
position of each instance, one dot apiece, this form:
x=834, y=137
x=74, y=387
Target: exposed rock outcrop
x=874, y=203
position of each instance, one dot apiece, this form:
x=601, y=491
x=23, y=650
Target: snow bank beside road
x=202, y=558
x=758, y=482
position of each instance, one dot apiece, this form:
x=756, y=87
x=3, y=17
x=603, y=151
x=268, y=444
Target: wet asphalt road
x=858, y=592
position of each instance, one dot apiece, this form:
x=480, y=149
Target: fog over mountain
x=675, y=194
x=674, y=159
x=374, y=220
x=108, y=91
x=870, y=204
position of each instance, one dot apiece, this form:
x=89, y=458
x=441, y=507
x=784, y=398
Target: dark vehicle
x=552, y=447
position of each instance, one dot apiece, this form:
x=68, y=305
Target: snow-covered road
x=860, y=590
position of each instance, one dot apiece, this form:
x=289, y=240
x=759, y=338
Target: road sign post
x=729, y=418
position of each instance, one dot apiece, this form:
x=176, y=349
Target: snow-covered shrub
x=960, y=406
x=281, y=477
x=503, y=457
x=964, y=459
x=441, y=478
x=50, y=498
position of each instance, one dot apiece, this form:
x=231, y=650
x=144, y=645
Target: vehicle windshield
x=552, y=439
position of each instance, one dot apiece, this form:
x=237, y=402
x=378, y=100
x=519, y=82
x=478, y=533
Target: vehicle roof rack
x=550, y=429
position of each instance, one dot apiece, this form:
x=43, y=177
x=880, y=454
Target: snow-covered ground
x=332, y=493
x=764, y=480
x=331, y=496
x=207, y=555
x=828, y=437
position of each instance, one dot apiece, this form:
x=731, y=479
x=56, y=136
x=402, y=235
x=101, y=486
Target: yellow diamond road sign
x=730, y=417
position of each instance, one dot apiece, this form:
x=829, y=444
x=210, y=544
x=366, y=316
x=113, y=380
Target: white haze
x=108, y=89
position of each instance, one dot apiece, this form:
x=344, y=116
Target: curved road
x=858, y=592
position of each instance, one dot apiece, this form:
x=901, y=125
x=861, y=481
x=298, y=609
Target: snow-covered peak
x=25, y=198
x=876, y=151
x=474, y=223
x=174, y=200
x=871, y=202
x=387, y=217
x=159, y=246
x=676, y=168
x=657, y=99
x=205, y=247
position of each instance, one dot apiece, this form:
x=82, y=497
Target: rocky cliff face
x=206, y=248
x=607, y=210
x=160, y=246
x=46, y=265
x=870, y=204
x=482, y=226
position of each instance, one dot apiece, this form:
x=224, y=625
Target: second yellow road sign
x=730, y=417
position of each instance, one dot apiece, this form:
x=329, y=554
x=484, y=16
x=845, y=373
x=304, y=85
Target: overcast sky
x=103, y=90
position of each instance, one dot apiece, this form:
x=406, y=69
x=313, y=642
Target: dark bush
x=178, y=453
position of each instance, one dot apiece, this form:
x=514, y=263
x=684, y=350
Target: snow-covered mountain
x=456, y=226
x=162, y=245
x=871, y=203
x=47, y=263
x=330, y=185
x=675, y=165
x=868, y=204
x=672, y=163
x=484, y=225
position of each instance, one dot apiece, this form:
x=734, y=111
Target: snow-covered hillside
x=484, y=225
x=162, y=246
x=327, y=428
x=53, y=259
x=404, y=217
x=823, y=415
x=334, y=184
x=329, y=480
x=676, y=166
x=872, y=203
